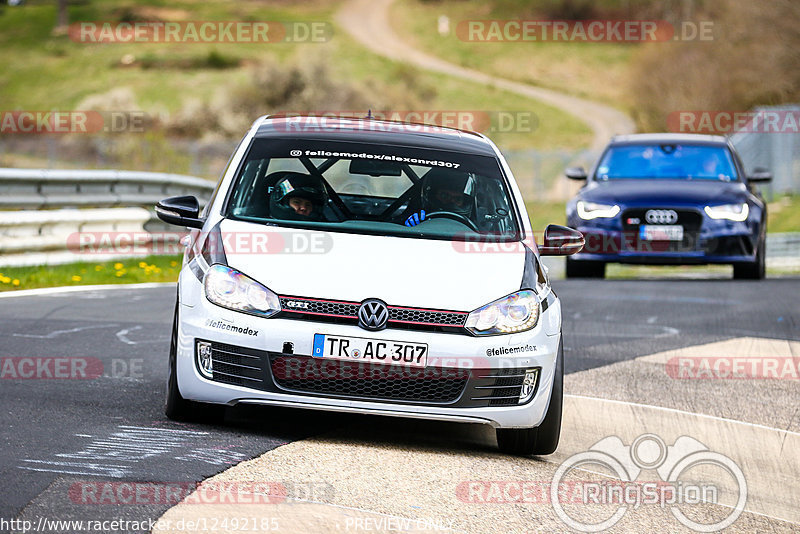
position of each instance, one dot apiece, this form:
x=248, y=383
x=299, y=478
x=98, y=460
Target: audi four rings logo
x=373, y=314
x=661, y=216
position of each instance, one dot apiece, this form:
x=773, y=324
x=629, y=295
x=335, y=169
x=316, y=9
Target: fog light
x=528, y=385
x=204, y=361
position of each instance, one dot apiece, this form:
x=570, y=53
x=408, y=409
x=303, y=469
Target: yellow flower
x=15, y=282
x=98, y=267
x=118, y=266
x=157, y=270
x=5, y=279
x=142, y=265
x=173, y=264
x=120, y=273
x=76, y=278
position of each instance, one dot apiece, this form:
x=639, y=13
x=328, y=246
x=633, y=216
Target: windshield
x=670, y=161
x=373, y=189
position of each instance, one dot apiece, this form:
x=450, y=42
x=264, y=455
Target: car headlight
x=592, y=210
x=515, y=313
x=231, y=289
x=732, y=212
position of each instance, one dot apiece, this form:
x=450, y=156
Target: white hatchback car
x=370, y=267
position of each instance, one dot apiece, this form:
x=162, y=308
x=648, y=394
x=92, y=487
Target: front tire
x=585, y=269
x=756, y=270
x=176, y=407
x=544, y=438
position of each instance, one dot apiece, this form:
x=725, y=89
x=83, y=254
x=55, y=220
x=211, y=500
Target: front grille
x=367, y=381
x=690, y=220
x=347, y=312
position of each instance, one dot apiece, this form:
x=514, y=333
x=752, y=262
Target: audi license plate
x=661, y=232
x=378, y=351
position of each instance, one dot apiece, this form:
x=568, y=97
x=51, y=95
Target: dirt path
x=368, y=22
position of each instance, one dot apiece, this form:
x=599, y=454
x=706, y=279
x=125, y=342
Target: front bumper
x=706, y=241
x=477, y=386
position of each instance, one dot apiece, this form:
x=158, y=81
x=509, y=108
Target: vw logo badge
x=661, y=216
x=373, y=314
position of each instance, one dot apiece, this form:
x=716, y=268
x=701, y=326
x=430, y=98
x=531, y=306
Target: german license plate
x=378, y=351
x=661, y=232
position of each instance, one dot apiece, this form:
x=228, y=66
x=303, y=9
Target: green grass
x=593, y=70
x=784, y=214
x=544, y=213
x=129, y=271
x=42, y=71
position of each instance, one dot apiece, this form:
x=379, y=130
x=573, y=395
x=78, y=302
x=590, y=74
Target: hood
x=664, y=192
x=423, y=273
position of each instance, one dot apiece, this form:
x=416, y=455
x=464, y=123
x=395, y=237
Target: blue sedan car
x=668, y=199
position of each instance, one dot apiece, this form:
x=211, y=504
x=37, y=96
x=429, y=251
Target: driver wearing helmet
x=298, y=197
x=445, y=191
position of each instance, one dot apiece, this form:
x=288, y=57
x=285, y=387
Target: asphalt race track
x=61, y=434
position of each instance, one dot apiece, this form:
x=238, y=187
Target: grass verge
x=129, y=271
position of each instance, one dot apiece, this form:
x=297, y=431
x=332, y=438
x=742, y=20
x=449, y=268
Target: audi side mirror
x=760, y=174
x=576, y=173
x=561, y=241
x=183, y=211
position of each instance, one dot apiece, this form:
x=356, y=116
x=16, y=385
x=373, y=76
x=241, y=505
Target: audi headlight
x=515, y=313
x=592, y=210
x=732, y=212
x=231, y=289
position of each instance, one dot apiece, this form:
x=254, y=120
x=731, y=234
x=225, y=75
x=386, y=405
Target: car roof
x=669, y=138
x=374, y=131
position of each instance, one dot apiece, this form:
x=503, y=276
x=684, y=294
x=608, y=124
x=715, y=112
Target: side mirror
x=576, y=173
x=561, y=241
x=760, y=174
x=183, y=211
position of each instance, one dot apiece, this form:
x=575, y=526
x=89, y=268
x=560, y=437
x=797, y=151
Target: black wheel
x=755, y=270
x=585, y=269
x=542, y=439
x=176, y=407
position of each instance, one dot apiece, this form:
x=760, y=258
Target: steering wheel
x=452, y=215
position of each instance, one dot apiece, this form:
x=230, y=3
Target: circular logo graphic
x=296, y=153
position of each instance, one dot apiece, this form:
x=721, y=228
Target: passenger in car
x=298, y=196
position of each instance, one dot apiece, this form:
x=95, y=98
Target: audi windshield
x=669, y=161
x=373, y=189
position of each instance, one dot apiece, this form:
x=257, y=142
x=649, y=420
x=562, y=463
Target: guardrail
x=35, y=226
x=46, y=188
